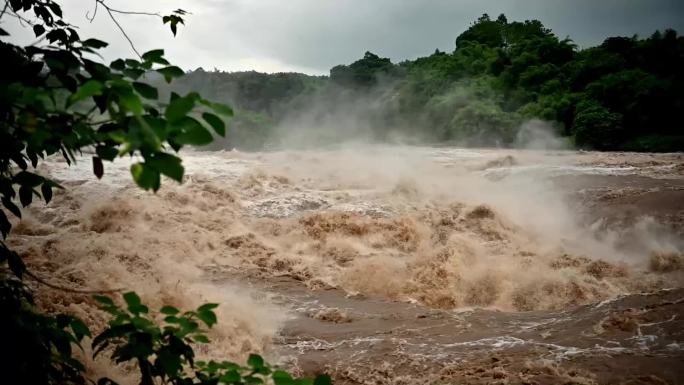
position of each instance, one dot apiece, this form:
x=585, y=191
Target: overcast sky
x=311, y=36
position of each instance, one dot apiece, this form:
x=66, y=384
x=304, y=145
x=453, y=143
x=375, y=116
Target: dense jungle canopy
x=625, y=94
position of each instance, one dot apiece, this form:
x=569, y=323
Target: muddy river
x=392, y=265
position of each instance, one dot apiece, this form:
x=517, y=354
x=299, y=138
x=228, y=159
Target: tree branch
x=21, y=18
x=123, y=32
x=125, y=12
x=97, y=3
x=38, y=41
x=111, y=11
x=4, y=9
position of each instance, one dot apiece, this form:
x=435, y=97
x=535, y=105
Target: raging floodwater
x=394, y=265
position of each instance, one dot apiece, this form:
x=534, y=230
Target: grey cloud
x=314, y=35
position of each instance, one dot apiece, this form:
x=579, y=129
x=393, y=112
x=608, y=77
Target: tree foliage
x=164, y=352
x=500, y=73
x=59, y=98
x=361, y=73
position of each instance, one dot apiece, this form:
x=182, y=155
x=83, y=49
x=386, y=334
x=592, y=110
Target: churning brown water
x=397, y=265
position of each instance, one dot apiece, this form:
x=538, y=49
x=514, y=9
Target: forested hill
x=627, y=93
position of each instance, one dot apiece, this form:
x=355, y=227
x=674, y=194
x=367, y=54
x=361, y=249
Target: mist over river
x=389, y=264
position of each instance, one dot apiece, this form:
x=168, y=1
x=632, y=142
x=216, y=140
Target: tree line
x=624, y=94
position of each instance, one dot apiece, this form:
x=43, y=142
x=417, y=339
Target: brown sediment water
x=395, y=265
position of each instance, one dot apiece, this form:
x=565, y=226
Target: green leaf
x=323, y=379
x=145, y=176
x=104, y=300
x=98, y=167
x=179, y=108
x=98, y=71
x=106, y=152
x=131, y=102
x=38, y=30
x=157, y=125
x=169, y=310
x=118, y=64
x=102, y=340
x=94, y=43
x=16, y=4
x=46, y=189
x=57, y=35
x=54, y=184
x=255, y=361
x=28, y=179
x=6, y=188
x=282, y=378
x=55, y=8
x=168, y=165
x=155, y=56
x=222, y=109
x=208, y=317
x=138, y=309
x=19, y=160
x=219, y=108
x=16, y=264
x=80, y=329
x=25, y=195
x=146, y=90
x=134, y=303
x=88, y=89
x=192, y=132
x=207, y=306
x=201, y=338
x=5, y=225
x=215, y=122
x=74, y=363
x=33, y=157
x=132, y=63
x=170, y=72
x=188, y=326
x=132, y=298
x=230, y=377
x=168, y=362
x=133, y=73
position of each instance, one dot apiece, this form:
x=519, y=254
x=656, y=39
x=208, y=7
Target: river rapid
x=389, y=264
